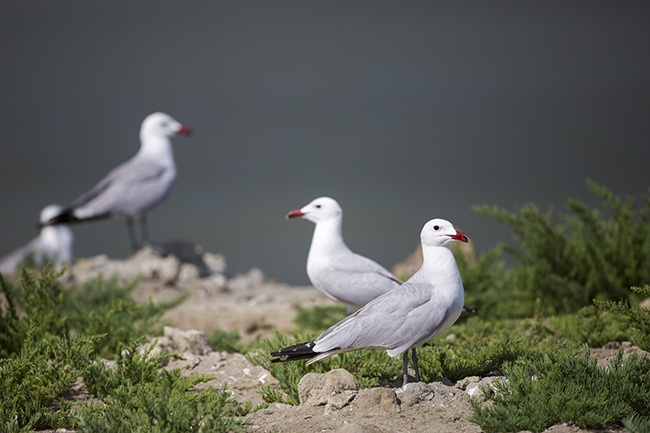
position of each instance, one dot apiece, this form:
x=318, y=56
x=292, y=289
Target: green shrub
x=637, y=424
x=226, y=341
x=557, y=386
x=319, y=318
x=138, y=399
x=41, y=302
x=564, y=261
x=49, y=337
x=637, y=317
x=100, y=308
x=40, y=372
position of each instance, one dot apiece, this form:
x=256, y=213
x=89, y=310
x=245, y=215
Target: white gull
x=405, y=318
x=134, y=187
x=53, y=244
x=332, y=267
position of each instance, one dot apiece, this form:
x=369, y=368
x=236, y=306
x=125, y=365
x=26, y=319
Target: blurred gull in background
x=134, y=187
x=53, y=244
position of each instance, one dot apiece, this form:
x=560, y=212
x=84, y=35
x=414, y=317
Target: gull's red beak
x=184, y=130
x=460, y=236
x=295, y=214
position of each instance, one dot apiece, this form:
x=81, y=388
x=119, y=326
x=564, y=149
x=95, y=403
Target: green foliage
x=36, y=377
x=637, y=424
x=226, y=341
x=105, y=307
x=475, y=359
x=137, y=399
x=319, y=318
x=52, y=335
x=564, y=260
x=374, y=367
x=41, y=301
x=271, y=394
x=558, y=386
x=100, y=308
x=637, y=317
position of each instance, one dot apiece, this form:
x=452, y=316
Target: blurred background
x=402, y=111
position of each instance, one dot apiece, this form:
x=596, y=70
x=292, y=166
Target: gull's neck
x=328, y=237
x=439, y=269
x=157, y=147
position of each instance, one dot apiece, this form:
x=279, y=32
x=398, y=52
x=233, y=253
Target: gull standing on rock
x=134, y=187
x=423, y=307
x=54, y=243
x=332, y=267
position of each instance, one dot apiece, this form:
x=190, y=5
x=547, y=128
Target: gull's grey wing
x=130, y=188
x=355, y=279
x=397, y=320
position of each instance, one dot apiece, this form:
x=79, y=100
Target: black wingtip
x=64, y=217
x=67, y=217
x=294, y=353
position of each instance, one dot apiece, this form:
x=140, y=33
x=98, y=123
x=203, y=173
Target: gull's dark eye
x=317, y=206
x=436, y=228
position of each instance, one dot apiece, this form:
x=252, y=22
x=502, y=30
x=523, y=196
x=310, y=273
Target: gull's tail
x=293, y=353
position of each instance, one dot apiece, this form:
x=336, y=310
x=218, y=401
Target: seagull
x=134, y=187
x=53, y=244
x=332, y=267
x=423, y=307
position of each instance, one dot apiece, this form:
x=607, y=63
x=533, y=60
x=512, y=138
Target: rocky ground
x=255, y=306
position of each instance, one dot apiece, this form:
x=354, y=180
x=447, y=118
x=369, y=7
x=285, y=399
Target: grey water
x=401, y=111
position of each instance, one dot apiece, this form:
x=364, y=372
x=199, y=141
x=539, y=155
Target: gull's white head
x=320, y=209
x=162, y=125
x=49, y=212
x=440, y=233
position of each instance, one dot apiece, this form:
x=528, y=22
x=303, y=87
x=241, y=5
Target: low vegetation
x=563, y=261
x=51, y=337
x=560, y=386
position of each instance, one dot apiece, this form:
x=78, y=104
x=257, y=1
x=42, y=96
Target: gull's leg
x=406, y=367
x=415, y=365
x=132, y=237
x=143, y=226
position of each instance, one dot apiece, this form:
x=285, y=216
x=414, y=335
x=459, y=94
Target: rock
x=148, y=264
x=473, y=388
x=209, y=286
x=189, y=361
x=419, y=389
x=216, y=262
x=160, y=345
x=359, y=428
x=280, y=406
x=605, y=354
x=328, y=389
x=376, y=402
x=188, y=272
x=464, y=383
x=408, y=400
x=192, y=341
x=253, y=278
